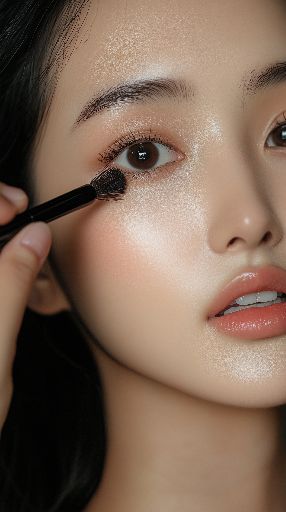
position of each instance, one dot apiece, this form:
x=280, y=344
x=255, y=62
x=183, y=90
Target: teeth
x=253, y=298
x=237, y=308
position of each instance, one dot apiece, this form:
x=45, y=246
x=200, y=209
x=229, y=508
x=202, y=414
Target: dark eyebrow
x=270, y=76
x=158, y=88
x=135, y=92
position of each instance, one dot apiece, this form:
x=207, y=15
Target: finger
x=15, y=195
x=12, y=201
x=20, y=262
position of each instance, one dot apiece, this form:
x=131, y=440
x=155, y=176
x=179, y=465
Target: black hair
x=53, y=442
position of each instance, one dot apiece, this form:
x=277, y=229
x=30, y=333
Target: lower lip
x=253, y=323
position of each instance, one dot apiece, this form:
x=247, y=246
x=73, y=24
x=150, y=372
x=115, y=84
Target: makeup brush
x=110, y=184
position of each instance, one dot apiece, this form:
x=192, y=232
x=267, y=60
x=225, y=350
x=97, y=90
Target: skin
x=193, y=416
x=20, y=261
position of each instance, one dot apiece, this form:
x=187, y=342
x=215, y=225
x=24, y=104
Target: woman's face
x=142, y=272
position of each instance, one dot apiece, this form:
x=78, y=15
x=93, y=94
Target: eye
x=278, y=136
x=145, y=156
x=142, y=153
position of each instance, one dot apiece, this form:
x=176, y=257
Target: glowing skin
x=193, y=415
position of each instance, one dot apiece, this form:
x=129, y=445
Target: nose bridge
x=241, y=213
x=236, y=173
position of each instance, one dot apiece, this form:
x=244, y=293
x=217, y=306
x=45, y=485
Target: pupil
x=143, y=156
x=279, y=135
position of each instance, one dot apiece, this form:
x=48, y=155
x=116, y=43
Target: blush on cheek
x=117, y=290
x=107, y=254
x=126, y=285
x=103, y=263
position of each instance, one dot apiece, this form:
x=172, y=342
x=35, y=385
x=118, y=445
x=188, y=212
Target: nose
x=242, y=215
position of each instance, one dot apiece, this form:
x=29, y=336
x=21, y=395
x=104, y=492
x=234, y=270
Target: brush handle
x=48, y=211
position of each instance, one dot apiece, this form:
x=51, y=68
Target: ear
x=47, y=296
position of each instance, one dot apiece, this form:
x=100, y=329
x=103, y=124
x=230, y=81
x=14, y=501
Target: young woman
x=143, y=341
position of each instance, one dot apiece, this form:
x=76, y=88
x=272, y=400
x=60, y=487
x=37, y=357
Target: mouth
x=255, y=300
x=252, y=305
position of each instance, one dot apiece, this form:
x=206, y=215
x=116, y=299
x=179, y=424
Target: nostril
x=232, y=241
x=267, y=237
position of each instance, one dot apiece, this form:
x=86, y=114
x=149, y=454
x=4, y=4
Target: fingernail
x=37, y=237
x=14, y=194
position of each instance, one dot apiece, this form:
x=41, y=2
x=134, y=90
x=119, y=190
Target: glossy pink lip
x=267, y=278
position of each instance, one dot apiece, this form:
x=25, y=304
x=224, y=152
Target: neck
x=170, y=451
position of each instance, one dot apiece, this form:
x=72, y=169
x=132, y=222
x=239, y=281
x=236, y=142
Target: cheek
x=131, y=290
x=142, y=289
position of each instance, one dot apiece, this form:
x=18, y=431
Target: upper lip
x=252, y=280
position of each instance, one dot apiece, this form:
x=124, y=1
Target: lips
x=252, y=280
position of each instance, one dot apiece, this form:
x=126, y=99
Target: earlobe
x=47, y=297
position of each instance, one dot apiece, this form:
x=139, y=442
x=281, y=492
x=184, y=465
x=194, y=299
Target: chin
x=260, y=395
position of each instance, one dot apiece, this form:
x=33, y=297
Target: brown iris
x=143, y=156
x=279, y=135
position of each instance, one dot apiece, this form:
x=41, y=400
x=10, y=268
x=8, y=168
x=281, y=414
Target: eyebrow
x=139, y=91
x=270, y=76
x=142, y=91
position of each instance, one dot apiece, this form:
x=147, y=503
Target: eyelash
x=128, y=140
x=132, y=138
x=279, y=124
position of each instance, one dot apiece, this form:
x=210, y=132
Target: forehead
x=121, y=40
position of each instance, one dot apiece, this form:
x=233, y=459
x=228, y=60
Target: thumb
x=20, y=262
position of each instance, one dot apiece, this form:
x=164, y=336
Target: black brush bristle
x=110, y=184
